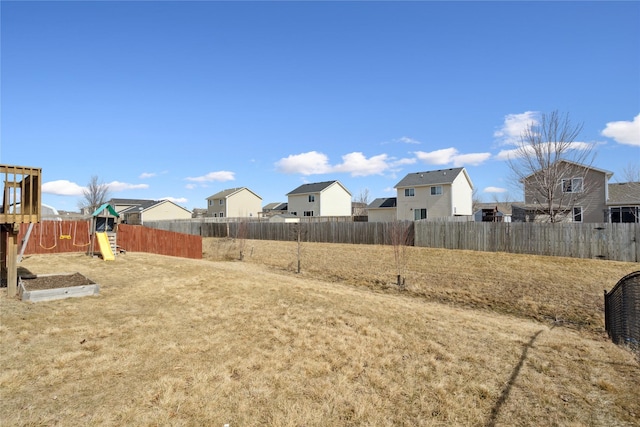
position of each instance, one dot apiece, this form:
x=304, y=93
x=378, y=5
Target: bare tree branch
x=95, y=194
x=550, y=161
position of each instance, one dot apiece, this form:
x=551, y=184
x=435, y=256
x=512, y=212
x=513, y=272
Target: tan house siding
x=591, y=199
x=166, y=210
x=234, y=203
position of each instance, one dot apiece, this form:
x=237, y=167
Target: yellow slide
x=105, y=247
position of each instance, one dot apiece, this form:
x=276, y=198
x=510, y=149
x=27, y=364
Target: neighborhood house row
x=583, y=195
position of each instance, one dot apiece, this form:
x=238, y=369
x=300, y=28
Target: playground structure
x=104, y=226
x=21, y=204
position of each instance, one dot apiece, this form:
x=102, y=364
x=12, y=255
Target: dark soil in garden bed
x=55, y=281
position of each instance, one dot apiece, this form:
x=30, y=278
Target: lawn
x=475, y=339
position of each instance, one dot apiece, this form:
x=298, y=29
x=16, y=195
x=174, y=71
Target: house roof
x=440, y=176
x=624, y=193
x=316, y=187
x=383, y=202
x=607, y=173
x=148, y=204
x=277, y=206
x=229, y=192
x=131, y=202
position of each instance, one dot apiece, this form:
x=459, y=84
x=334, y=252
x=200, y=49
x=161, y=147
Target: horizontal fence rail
x=620, y=242
x=622, y=312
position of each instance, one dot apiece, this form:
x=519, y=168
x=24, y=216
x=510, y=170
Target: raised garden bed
x=47, y=287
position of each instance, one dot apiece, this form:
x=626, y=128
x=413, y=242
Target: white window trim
x=573, y=213
x=409, y=192
x=572, y=184
x=435, y=187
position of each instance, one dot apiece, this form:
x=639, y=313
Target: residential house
x=579, y=194
x=329, y=198
x=382, y=209
x=271, y=209
x=121, y=204
x=153, y=210
x=623, y=202
x=434, y=194
x=234, y=203
x=284, y=217
x=494, y=212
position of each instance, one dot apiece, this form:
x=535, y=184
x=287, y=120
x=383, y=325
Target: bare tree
x=400, y=236
x=631, y=172
x=300, y=234
x=552, y=166
x=361, y=203
x=95, y=194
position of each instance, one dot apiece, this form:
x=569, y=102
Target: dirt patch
x=34, y=283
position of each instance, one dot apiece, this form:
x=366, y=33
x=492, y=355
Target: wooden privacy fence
x=50, y=237
x=136, y=238
x=620, y=242
x=370, y=233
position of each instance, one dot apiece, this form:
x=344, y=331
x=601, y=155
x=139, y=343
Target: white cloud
x=407, y=140
x=438, y=157
x=451, y=155
x=516, y=153
x=145, y=175
x=116, y=186
x=473, y=159
x=190, y=186
x=494, y=190
x=358, y=165
x=177, y=200
x=62, y=187
x=514, y=125
x=219, y=176
x=624, y=132
x=310, y=163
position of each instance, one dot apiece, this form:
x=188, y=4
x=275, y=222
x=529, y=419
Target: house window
x=419, y=214
x=436, y=191
x=308, y=213
x=312, y=198
x=221, y=215
x=221, y=202
x=210, y=202
x=409, y=192
x=572, y=185
x=294, y=213
x=577, y=214
x=625, y=214
x=215, y=215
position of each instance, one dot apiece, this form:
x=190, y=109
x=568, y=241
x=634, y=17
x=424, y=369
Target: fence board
x=619, y=242
x=51, y=237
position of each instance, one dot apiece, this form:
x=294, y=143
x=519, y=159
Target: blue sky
x=181, y=100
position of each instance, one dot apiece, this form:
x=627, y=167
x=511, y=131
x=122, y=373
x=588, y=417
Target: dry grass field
x=476, y=339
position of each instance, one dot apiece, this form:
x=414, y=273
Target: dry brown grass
x=182, y=342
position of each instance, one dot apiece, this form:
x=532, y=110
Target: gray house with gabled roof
x=328, y=198
x=434, y=194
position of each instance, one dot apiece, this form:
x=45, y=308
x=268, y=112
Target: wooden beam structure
x=21, y=204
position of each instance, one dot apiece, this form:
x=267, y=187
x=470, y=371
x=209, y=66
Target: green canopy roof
x=112, y=211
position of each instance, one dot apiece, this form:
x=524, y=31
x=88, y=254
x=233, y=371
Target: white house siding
x=382, y=214
x=462, y=200
x=335, y=201
x=164, y=211
x=243, y=204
